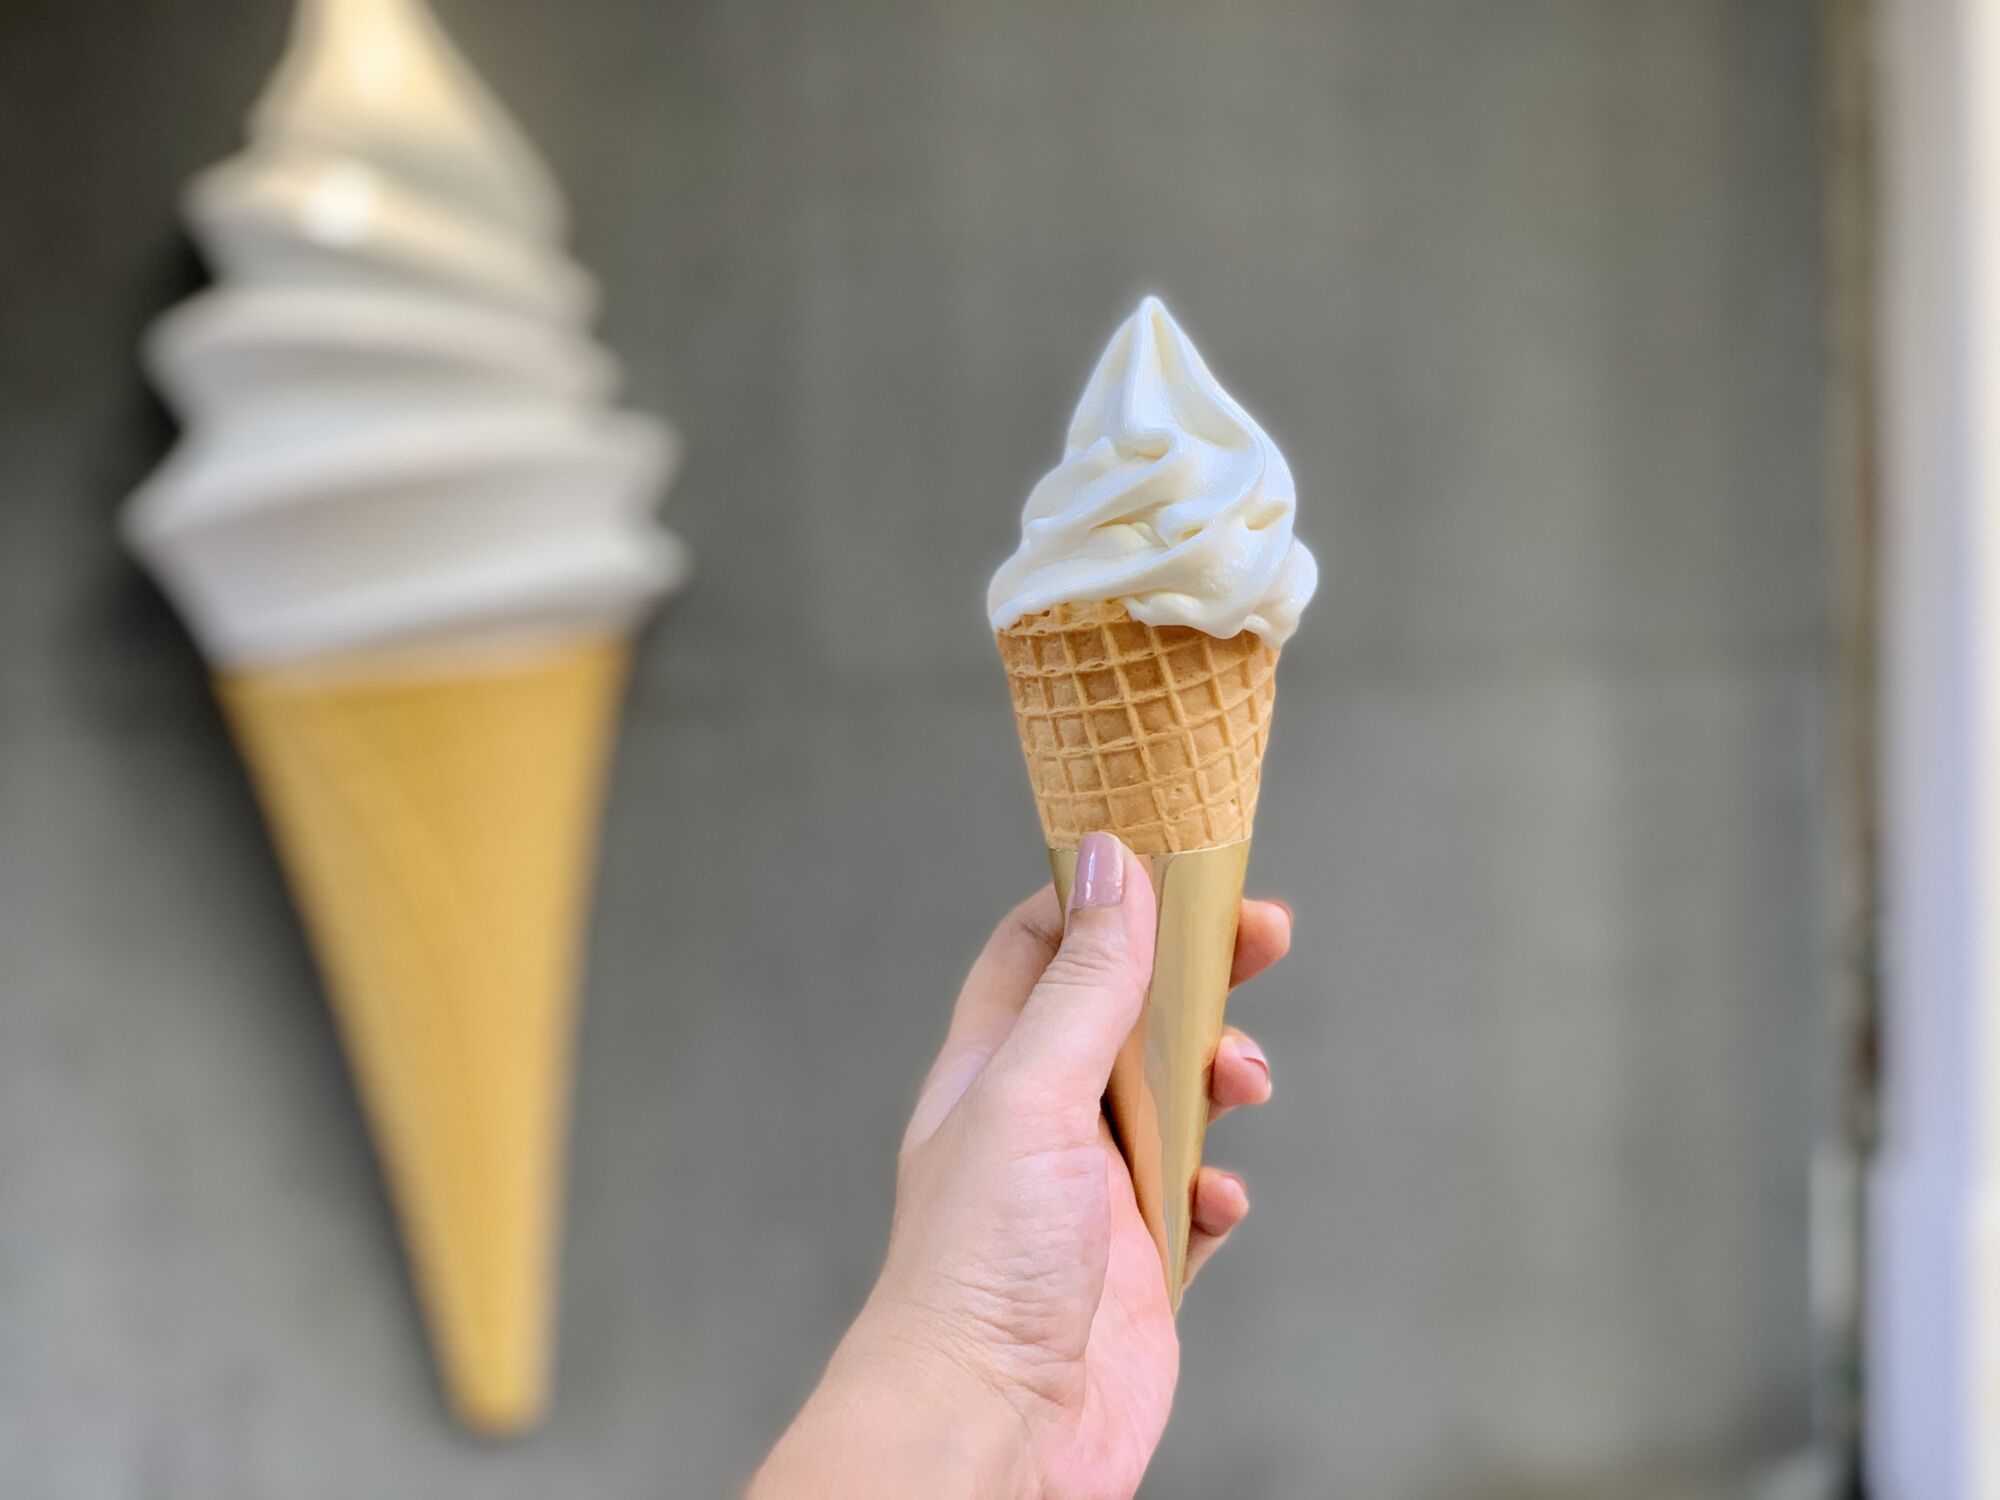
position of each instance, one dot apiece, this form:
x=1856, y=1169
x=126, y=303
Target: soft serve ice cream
x=1170, y=500
x=398, y=428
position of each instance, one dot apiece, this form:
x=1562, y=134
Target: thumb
x=1089, y=997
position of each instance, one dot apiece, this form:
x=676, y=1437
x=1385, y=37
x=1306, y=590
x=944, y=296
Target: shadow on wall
x=125, y=610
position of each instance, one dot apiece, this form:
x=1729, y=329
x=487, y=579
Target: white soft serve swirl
x=1170, y=500
x=398, y=428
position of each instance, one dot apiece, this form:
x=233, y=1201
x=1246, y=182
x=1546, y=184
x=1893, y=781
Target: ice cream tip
x=1170, y=500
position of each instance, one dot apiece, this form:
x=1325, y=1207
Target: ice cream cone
x=413, y=533
x=1156, y=735
x=438, y=828
x=1171, y=505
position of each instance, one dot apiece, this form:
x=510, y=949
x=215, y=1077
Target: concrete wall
x=1528, y=292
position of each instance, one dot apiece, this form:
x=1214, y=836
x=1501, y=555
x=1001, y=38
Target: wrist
x=894, y=1417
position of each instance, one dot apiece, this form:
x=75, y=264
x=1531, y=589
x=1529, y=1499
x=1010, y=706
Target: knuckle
x=1089, y=961
x=1020, y=1110
x=1035, y=924
x=1009, y=1096
x=1022, y=1117
x=1089, y=969
x=1026, y=939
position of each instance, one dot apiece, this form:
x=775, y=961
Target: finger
x=1005, y=973
x=1241, y=1075
x=999, y=987
x=1088, y=998
x=1221, y=1202
x=1263, y=936
x=1025, y=941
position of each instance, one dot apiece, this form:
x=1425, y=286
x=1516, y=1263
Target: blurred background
x=1530, y=293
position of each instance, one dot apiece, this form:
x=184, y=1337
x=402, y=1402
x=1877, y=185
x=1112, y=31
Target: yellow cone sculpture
x=439, y=835
x=414, y=539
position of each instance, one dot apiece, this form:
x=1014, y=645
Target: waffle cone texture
x=438, y=833
x=1153, y=733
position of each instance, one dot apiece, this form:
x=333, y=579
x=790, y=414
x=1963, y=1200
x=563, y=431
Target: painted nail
x=1253, y=1054
x=1100, y=872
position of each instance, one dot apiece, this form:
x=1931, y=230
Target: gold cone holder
x=1158, y=1098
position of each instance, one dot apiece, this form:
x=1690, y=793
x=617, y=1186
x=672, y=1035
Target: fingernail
x=1283, y=906
x=1254, y=1055
x=1100, y=872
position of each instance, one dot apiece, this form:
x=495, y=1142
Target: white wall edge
x=1934, y=1334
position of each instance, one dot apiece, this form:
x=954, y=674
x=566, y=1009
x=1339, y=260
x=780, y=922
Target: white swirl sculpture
x=397, y=425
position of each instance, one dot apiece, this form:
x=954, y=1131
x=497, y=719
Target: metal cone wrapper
x=1158, y=1099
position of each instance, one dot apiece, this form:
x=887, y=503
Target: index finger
x=989, y=1003
x=1027, y=938
x=1007, y=968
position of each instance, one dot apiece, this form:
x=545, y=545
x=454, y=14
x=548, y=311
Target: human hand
x=1020, y=1341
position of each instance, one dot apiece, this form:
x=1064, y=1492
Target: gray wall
x=1526, y=289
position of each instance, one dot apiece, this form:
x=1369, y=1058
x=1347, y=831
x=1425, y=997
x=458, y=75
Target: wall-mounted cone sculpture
x=414, y=539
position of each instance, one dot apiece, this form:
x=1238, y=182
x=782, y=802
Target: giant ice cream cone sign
x=413, y=539
x=1140, y=623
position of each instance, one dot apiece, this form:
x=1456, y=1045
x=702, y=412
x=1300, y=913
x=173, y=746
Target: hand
x=1019, y=1341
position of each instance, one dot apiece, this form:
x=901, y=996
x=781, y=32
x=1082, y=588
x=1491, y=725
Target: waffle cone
x=438, y=833
x=1154, y=733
